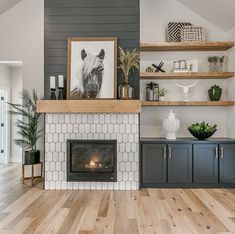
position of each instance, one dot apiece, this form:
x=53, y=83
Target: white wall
x=231, y=92
x=16, y=89
x=22, y=39
x=154, y=17
x=22, y=32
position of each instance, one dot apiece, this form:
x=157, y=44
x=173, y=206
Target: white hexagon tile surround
x=121, y=127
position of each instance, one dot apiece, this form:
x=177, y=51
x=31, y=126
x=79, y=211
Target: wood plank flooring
x=26, y=209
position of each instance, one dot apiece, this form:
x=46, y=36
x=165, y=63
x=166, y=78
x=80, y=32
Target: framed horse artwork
x=92, y=68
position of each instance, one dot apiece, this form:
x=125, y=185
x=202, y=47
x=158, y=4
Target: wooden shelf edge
x=186, y=75
x=190, y=103
x=88, y=106
x=186, y=46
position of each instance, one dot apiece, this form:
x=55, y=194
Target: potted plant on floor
x=129, y=61
x=28, y=126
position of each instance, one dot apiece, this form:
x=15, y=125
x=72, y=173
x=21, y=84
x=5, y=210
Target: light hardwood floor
x=26, y=209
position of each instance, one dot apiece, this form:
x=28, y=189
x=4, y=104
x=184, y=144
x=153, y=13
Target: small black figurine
x=159, y=67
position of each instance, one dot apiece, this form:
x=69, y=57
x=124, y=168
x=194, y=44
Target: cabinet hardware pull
x=221, y=152
x=216, y=152
x=170, y=155
x=164, y=152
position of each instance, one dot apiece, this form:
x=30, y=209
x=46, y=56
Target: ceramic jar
x=171, y=125
x=215, y=93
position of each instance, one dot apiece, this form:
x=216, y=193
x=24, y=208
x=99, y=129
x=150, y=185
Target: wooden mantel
x=88, y=106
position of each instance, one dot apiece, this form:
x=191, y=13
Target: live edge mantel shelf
x=186, y=46
x=186, y=75
x=88, y=106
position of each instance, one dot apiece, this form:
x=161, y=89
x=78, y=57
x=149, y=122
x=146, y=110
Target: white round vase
x=171, y=125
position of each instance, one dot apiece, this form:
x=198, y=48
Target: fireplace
x=92, y=160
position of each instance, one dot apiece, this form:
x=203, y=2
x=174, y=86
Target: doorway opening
x=10, y=88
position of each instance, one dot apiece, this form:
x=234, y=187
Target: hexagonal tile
x=58, y=147
x=55, y=156
x=55, y=137
x=55, y=176
x=55, y=118
x=58, y=128
x=49, y=118
x=122, y=147
x=52, y=147
x=101, y=119
x=107, y=118
x=122, y=166
x=84, y=118
x=128, y=166
x=87, y=128
x=64, y=128
x=61, y=118
x=122, y=128
x=49, y=175
x=116, y=128
x=52, y=166
x=52, y=128
x=48, y=137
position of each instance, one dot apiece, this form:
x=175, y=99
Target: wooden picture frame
x=92, y=68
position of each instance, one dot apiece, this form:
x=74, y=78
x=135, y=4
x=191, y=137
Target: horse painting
x=90, y=74
x=92, y=68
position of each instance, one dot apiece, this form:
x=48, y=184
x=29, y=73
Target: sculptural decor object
x=171, y=125
x=186, y=90
x=215, y=93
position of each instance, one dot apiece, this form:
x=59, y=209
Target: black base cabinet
x=227, y=163
x=205, y=163
x=187, y=163
x=179, y=163
x=154, y=163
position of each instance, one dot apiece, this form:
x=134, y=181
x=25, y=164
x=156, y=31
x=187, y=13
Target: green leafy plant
x=28, y=127
x=162, y=92
x=129, y=61
x=202, y=130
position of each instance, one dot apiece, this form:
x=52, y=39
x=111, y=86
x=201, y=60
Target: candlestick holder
x=60, y=94
x=52, y=96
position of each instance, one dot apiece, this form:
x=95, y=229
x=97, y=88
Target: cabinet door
x=180, y=163
x=227, y=163
x=205, y=158
x=153, y=163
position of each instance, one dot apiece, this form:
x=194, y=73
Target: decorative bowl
x=203, y=130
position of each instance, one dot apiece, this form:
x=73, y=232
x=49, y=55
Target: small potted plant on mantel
x=28, y=126
x=129, y=61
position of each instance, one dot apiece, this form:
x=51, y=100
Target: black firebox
x=92, y=160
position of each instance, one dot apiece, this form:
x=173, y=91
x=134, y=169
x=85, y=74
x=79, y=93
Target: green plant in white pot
x=28, y=126
x=129, y=62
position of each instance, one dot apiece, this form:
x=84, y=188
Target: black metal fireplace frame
x=96, y=176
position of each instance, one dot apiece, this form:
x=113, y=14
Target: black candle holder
x=52, y=96
x=60, y=94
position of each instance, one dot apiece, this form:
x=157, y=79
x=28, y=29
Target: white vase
x=162, y=98
x=171, y=125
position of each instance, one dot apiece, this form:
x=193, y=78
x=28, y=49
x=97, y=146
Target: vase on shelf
x=126, y=91
x=215, y=93
x=171, y=125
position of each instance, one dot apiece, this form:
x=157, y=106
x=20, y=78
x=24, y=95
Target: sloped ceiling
x=7, y=4
x=221, y=13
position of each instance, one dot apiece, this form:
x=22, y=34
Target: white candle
x=61, y=81
x=52, y=82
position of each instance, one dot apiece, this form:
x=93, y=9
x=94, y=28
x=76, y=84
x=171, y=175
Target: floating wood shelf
x=88, y=106
x=186, y=46
x=190, y=103
x=188, y=75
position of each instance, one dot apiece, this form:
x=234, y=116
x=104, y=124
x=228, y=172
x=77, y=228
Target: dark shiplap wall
x=88, y=18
